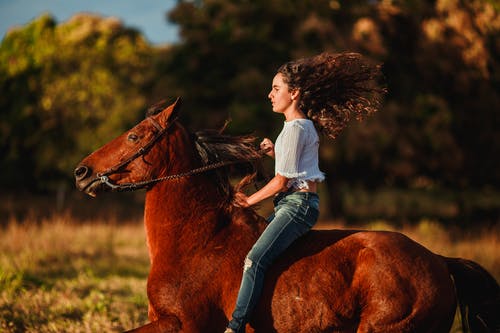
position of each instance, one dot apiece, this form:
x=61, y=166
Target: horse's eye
x=132, y=137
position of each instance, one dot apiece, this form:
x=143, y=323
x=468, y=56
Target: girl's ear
x=294, y=94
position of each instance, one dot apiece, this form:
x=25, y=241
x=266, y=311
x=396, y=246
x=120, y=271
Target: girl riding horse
x=326, y=91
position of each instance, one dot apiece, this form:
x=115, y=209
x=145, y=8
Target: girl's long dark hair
x=334, y=88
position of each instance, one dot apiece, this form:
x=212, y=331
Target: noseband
x=104, y=179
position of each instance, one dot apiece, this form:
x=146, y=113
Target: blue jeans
x=295, y=213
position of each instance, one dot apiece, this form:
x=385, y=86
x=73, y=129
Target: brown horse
x=328, y=281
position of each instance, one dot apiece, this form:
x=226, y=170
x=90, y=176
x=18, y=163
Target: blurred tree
x=223, y=64
x=66, y=89
x=229, y=51
x=438, y=57
x=442, y=66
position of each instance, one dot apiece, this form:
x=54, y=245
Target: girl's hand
x=240, y=200
x=268, y=147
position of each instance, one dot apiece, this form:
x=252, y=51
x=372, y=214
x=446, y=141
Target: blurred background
x=75, y=74
x=73, y=80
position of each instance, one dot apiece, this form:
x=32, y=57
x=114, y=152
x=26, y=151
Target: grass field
x=58, y=275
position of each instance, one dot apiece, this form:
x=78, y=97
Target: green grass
x=59, y=275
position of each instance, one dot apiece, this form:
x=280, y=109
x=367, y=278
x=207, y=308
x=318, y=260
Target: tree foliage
x=66, y=89
x=437, y=56
x=439, y=126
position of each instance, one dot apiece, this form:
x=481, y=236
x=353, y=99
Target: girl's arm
x=276, y=184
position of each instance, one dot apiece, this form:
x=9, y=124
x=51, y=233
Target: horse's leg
x=169, y=324
x=165, y=323
x=152, y=313
x=172, y=324
x=414, y=298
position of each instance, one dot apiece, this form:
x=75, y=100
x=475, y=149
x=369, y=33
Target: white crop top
x=296, y=153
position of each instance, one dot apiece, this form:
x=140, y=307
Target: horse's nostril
x=81, y=172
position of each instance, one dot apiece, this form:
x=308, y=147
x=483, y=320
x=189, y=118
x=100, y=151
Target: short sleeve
x=290, y=149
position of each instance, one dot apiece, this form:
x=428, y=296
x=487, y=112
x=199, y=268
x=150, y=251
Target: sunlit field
x=59, y=275
x=63, y=277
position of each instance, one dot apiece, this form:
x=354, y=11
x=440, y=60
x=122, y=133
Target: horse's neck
x=175, y=209
x=181, y=215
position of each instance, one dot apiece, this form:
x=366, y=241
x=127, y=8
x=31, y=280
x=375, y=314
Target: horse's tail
x=478, y=296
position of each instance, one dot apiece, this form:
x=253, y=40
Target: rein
x=146, y=183
x=104, y=179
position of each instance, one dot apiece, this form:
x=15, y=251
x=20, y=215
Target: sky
x=147, y=16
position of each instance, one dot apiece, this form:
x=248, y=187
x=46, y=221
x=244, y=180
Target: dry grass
x=57, y=275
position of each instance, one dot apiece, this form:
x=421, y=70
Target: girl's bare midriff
x=313, y=187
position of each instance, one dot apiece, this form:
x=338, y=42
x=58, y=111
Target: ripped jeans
x=295, y=213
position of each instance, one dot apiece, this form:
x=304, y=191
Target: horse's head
x=131, y=160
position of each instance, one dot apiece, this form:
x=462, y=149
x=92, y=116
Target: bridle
x=104, y=179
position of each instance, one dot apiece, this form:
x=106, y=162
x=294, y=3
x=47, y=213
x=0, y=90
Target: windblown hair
x=334, y=88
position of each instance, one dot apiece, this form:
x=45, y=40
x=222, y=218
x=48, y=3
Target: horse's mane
x=238, y=150
x=214, y=146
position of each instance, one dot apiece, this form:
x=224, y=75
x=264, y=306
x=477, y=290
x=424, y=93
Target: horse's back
x=357, y=281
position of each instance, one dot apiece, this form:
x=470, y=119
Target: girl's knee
x=247, y=264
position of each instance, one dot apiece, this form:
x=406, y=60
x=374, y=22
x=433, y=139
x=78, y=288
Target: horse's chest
x=177, y=290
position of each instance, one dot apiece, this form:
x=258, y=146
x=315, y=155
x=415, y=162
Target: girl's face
x=281, y=98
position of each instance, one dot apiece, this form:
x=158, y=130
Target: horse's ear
x=170, y=112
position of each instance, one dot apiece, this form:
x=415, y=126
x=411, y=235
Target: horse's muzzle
x=82, y=172
x=85, y=183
